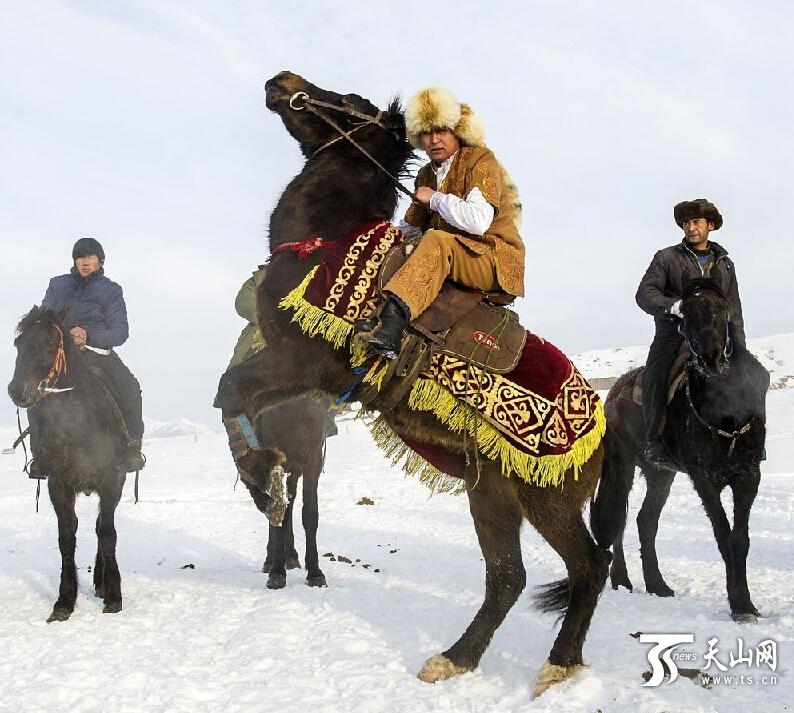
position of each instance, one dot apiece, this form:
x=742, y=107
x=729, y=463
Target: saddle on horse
x=468, y=324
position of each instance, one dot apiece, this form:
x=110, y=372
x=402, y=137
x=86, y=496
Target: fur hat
x=437, y=108
x=88, y=246
x=698, y=208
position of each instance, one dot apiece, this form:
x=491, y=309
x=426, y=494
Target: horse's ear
x=60, y=315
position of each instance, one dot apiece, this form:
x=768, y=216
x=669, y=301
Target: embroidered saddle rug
x=539, y=419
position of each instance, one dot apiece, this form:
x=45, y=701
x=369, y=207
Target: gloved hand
x=674, y=310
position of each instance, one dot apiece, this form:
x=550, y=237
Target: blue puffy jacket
x=94, y=303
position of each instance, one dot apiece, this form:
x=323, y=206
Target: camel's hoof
x=276, y=581
x=317, y=580
x=438, y=668
x=746, y=618
x=111, y=608
x=551, y=674
x=59, y=614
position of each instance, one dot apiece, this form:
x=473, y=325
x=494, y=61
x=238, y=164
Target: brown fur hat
x=437, y=108
x=698, y=208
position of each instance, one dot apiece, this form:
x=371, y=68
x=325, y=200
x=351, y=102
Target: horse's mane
x=37, y=314
x=702, y=283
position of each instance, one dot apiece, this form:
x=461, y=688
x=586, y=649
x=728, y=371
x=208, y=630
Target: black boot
x=134, y=460
x=656, y=454
x=386, y=338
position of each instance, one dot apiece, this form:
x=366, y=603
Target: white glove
x=675, y=310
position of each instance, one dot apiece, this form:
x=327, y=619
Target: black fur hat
x=698, y=208
x=88, y=246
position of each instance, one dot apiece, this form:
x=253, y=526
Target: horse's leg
x=742, y=608
x=618, y=572
x=291, y=559
x=278, y=536
x=62, y=497
x=658, y=483
x=497, y=520
x=710, y=497
x=99, y=563
x=311, y=517
x=109, y=496
x=559, y=520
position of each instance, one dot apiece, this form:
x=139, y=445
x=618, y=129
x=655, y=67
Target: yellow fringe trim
x=458, y=416
x=314, y=321
x=427, y=395
x=396, y=450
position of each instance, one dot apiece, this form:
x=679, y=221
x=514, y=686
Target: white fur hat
x=437, y=108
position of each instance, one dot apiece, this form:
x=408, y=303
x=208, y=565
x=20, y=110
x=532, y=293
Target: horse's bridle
x=727, y=351
x=310, y=104
x=59, y=368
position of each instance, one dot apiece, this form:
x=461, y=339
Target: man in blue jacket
x=96, y=318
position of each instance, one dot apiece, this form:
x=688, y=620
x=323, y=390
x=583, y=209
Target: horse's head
x=309, y=113
x=706, y=326
x=41, y=359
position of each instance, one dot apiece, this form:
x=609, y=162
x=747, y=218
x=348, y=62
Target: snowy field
x=213, y=638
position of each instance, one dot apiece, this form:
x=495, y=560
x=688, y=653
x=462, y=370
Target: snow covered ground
x=213, y=638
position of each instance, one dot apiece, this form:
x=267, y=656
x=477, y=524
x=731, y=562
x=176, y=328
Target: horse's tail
x=610, y=505
x=553, y=598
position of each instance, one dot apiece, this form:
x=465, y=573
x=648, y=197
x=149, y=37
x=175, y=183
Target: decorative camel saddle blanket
x=539, y=419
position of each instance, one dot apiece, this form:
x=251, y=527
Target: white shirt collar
x=443, y=167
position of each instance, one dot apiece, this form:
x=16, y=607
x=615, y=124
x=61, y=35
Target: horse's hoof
x=112, y=608
x=551, y=674
x=293, y=562
x=267, y=566
x=317, y=580
x=745, y=618
x=59, y=614
x=618, y=582
x=439, y=668
x=660, y=590
x=276, y=581
x=99, y=592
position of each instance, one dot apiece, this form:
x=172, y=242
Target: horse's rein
x=311, y=105
x=58, y=369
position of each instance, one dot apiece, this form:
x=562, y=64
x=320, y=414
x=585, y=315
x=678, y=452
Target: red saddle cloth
x=540, y=419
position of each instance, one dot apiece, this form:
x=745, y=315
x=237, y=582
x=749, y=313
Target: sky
x=143, y=124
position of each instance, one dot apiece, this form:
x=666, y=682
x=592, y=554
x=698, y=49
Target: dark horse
x=714, y=431
x=298, y=429
x=83, y=447
x=338, y=190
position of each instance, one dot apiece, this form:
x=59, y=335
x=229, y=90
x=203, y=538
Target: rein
x=733, y=435
x=58, y=369
x=311, y=105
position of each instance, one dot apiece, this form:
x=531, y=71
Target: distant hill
x=180, y=427
x=602, y=366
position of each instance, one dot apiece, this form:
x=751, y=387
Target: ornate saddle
x=471, y=325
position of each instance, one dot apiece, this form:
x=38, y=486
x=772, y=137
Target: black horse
x=714, y=431
x=340, y=189
x=82, y=446
x=298, y=429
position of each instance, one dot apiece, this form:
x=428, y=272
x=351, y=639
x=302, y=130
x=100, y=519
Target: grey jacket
x=669, y=272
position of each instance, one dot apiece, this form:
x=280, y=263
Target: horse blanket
x=539, y=420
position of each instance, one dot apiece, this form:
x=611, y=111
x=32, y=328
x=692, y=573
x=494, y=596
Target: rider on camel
x=659, y=294
x=466, y=210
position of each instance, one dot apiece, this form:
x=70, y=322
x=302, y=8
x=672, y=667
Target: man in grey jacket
x=659, y=294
